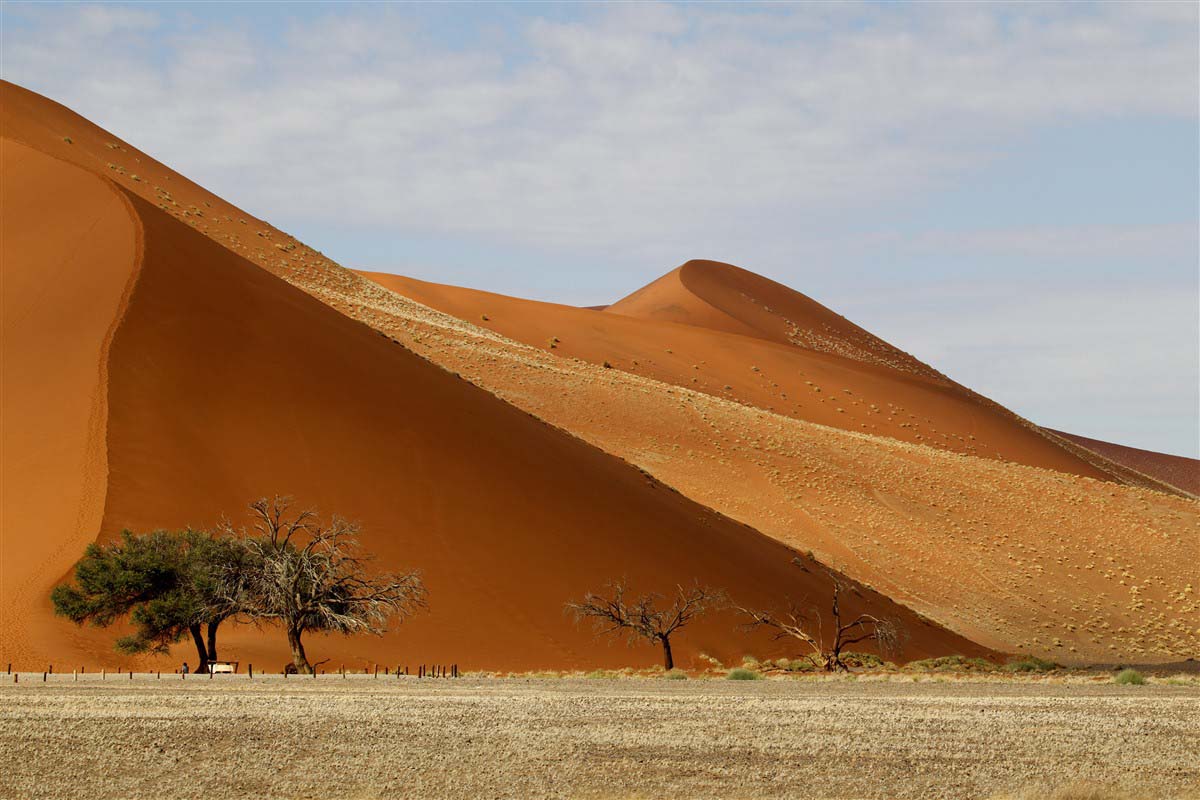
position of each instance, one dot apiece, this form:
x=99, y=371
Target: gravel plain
x=360, y=737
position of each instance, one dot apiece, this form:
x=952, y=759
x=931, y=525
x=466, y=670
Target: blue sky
x=1011, y=192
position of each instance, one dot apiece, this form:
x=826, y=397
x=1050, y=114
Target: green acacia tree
x=167, y=583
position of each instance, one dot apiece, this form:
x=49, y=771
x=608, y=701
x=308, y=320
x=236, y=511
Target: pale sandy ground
x=366, y=738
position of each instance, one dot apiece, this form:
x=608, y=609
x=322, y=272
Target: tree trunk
x=299, y=659
x=201, y=650
x=212, y=640
x=668, y=661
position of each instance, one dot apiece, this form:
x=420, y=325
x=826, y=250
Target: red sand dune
x=1048, y=561
x=865, y=394
x=222, y=382
x=1178, y=471
x=710, y=294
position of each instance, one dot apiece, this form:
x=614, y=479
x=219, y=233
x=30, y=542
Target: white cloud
x=1060, y=243
x=638, y=124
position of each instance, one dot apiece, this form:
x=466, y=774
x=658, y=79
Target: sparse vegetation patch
x=1130, y=677
x=743, y=674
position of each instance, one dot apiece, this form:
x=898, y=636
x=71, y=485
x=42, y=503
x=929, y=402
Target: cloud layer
x=641, y=135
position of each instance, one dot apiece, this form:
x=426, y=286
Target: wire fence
x=232, y=671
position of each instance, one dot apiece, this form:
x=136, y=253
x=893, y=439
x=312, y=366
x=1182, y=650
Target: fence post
x=43, y=677
x=376, y=670
x=74, y=675
x=103, y=673
x=251, y=668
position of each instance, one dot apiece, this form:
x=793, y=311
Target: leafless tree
x=641, y=618
x=826, y=647
x=312, y=577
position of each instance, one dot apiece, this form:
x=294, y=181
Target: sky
x=1011, y=192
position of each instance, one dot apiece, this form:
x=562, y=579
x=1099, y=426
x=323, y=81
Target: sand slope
x=225, y=383
x=815, y=385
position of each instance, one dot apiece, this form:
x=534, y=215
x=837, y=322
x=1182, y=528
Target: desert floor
x=360, y=737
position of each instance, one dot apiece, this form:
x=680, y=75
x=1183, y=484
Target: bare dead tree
x=826, y=648
x=309, y=576
x=641, y=618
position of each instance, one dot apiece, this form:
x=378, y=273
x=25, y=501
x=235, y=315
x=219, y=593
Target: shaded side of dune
x=228, y=383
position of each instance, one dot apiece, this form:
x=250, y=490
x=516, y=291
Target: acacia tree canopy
x=645, y=616
x=310, y=576
x=292, y=569
x=164, y=582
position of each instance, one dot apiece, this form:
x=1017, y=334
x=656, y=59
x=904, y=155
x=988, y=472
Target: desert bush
x=1130, y=677
x=743, y=674
x=951, y=664
x=1182, y=680
x=863, y=660
x=1032, y=664
x=675, y=675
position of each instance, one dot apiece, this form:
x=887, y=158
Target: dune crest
x=1178, y=471
x=70, y=249
x=712, y=294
